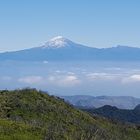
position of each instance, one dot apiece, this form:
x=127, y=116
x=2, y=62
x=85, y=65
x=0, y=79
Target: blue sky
x=97, y=23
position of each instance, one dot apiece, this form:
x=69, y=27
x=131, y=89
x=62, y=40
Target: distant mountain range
x=85, y=101
x=63, y=49
x=113, y=113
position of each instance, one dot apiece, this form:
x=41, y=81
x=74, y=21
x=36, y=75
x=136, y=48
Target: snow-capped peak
x=57, y=42
x=57, y=38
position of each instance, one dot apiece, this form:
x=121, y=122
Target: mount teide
x=62, y=49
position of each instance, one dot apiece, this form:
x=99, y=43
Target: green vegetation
x=29, y=114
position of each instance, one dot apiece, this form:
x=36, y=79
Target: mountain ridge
x=122, y=102
x=116, y=114
x=60, y=49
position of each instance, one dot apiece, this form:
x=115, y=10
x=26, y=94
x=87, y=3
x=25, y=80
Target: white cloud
x=64, y=72
x=114, y=68
x=131, y=79
x=31, y=79
x=58, y=71
x=45, y=62
x=64, y=80
x=57, y=79
x=71, y=73
x=102, y=76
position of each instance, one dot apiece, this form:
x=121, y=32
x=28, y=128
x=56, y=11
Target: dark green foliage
x=29, y=114
x=122, y=115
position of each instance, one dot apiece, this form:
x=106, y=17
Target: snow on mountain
x=57, y=42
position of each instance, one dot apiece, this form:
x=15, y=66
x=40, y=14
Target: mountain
x=30, y=114
x=137, y=108
x=85, y=101
x=56, y=49
x=60, y=48
x=122, y=115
